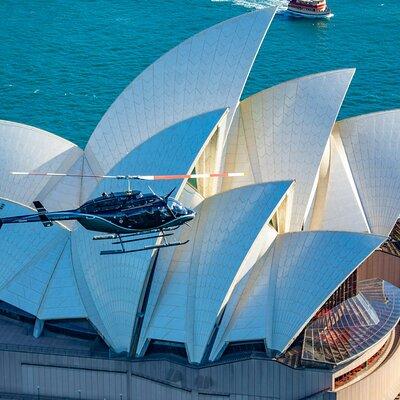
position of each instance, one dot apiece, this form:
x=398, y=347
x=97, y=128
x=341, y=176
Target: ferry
x=309, y=9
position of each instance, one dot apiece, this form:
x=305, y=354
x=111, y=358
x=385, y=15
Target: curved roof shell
x=205, y=72
x=192, y=283
x=360, y=191
x=289, y=284
x=281, y=133
x=25, y=148
x=372, y=146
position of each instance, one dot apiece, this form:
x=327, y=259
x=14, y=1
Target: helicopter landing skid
x=141, y=238
x=139, y=233
x=121, y=241
x=158, y=246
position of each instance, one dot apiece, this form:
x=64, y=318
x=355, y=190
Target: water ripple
x=79, y=60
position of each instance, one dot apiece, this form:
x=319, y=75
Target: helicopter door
x=144, y=218
x=135, y=219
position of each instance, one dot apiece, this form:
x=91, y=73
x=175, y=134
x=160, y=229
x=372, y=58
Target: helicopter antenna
x=155, y=194
x=169, y=194
x=151, y=190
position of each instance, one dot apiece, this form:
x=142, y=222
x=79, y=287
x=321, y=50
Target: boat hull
x=296, y=13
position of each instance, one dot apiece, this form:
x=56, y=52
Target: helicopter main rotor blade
x=185, y=176
x=79, y=175
x=136, y=177
x=60, y=174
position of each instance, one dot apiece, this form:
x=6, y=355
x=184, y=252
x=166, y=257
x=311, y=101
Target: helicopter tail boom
x=42, y=215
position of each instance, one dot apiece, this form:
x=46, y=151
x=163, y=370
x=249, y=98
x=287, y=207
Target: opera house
x=288, y=286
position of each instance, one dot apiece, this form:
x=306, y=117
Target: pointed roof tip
x=370, y=114
x=348, y=73
x=267, y=10
x=350, y=70
x=287, y=184
x=284, y=184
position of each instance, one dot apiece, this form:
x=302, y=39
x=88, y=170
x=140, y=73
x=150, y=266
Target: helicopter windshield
x=176, y=207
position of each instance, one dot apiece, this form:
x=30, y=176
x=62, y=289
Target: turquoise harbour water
x=62, y=63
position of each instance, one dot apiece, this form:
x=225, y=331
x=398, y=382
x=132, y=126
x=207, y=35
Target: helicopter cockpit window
x=164, y=212
x=109, y=205
x=176, y=207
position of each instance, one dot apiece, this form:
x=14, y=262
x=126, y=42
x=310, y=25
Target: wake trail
x=257, y=4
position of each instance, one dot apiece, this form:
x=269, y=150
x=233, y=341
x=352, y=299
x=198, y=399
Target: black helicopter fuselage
x=117, y=213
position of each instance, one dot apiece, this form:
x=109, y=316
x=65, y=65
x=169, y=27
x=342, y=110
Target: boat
x=309, y=9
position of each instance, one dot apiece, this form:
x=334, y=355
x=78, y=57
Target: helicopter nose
x=190, y=212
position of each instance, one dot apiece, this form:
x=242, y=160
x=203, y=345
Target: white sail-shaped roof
x=282, y=133
x=206, y=72
x=192, y=283
x=372, y=146
x=115, y=283
x=289, y=284
x=25, y=148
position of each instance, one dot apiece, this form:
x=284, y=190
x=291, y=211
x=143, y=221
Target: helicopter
x=123, y=217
